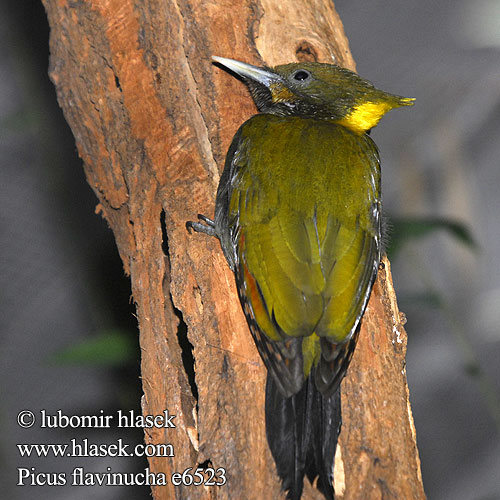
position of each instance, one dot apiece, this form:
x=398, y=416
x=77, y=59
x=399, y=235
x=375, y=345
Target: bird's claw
x=199, y=227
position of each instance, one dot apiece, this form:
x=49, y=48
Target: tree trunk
x=152, y=120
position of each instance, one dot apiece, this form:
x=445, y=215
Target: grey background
x=441, y=158
x=62, y=281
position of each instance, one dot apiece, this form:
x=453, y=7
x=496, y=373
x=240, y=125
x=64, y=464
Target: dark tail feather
x=302, y=432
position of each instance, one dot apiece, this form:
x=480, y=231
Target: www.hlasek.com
x=30, y=476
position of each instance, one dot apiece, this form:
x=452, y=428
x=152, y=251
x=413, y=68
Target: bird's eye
x=301, y=75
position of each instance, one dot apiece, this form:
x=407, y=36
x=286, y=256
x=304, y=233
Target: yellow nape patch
x=280, y=93
x=365, y=116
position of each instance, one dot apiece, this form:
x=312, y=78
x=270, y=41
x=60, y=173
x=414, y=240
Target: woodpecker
x=298, y=216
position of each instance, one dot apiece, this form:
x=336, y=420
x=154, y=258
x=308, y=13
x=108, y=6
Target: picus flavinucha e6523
x=298, y=216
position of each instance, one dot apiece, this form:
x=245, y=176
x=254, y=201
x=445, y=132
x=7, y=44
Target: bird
x=299, y=219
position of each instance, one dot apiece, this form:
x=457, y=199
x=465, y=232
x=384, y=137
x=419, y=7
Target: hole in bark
x=186, y=353
x=164, y=236
x=206, y=464
x=117, y=83
x=305, y=52
x=182, y=336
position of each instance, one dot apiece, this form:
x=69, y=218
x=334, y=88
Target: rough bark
x=152, y=119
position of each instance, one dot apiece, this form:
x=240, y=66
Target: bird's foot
x=207, y=226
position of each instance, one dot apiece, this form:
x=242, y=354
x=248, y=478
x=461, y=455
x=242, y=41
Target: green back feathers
x=304, y=197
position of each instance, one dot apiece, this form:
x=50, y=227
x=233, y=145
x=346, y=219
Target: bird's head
x=316, y=90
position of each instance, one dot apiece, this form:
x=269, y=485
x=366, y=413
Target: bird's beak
x=247, y=71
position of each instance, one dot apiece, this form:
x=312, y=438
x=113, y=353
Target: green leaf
x=19, y=121
x=109, y=348
x=429, y=299
x=405, y=229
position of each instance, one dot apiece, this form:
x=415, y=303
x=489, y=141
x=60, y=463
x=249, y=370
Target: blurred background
x=69, y=338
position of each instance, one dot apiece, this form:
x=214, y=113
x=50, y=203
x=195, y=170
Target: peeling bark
x=152, y=120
